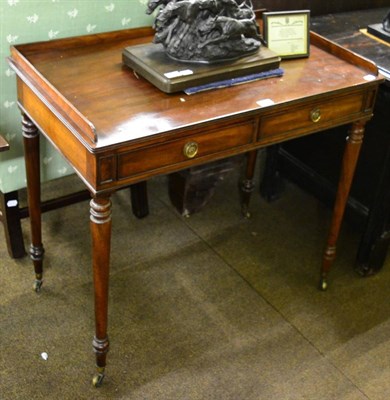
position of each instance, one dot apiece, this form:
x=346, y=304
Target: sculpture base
x=151, y=62
x=378, y=31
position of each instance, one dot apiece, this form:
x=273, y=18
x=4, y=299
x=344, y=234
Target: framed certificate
x=287, y=33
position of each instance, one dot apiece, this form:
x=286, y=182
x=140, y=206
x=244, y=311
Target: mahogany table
x=116, y=129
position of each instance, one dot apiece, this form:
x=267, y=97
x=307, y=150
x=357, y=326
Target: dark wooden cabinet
x=320, y=7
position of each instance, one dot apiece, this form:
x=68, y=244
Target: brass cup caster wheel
x=245, y=212
x=37, y=285
x=97, y=380
x=323, y=284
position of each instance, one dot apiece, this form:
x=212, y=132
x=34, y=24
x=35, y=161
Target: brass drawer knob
x=190, y=149
x=315, y=115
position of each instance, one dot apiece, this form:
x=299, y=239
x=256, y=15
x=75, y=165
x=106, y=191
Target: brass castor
x=97, y=380
x=37, y=285
x=245, y=212
x=323, y=284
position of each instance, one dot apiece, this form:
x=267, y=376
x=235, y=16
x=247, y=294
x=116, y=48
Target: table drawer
x=312, y=116
x=185, y=150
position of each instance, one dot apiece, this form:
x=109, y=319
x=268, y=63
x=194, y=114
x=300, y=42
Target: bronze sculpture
x=205, y=31
x=202, y=44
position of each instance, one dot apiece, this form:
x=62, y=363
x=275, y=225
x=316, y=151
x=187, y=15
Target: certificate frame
x=287, y=33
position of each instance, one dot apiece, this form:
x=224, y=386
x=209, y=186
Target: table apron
x=112, y=168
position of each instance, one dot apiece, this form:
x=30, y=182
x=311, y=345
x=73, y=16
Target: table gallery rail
x=117, y=129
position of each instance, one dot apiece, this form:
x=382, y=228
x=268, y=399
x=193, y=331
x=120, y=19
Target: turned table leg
x=247, y=184
x=100, y=222
x=31, y=151
x=350, y=158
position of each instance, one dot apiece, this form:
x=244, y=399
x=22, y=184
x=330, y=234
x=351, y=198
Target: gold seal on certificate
x=287, y=33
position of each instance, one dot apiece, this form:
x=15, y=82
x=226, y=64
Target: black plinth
x=378, y=31
x=151, y=62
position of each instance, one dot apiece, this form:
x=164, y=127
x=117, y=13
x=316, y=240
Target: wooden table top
x=84, y=80
x=4, y=145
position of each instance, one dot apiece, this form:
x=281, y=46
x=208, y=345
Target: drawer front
x=185, y=150
x=311, y=117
